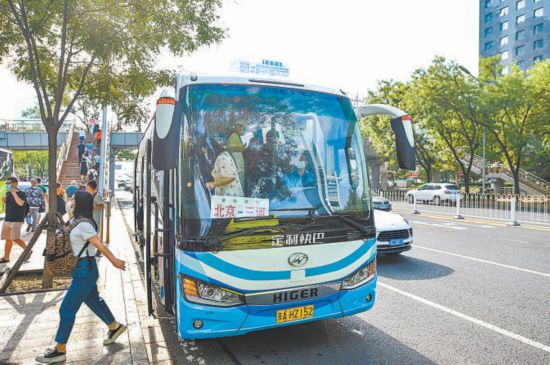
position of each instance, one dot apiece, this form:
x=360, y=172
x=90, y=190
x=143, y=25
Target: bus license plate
x=396, y=242
x=294, y=314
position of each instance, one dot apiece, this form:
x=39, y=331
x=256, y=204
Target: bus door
x=163, y=238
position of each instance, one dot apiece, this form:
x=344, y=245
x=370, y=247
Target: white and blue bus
x=252, y=198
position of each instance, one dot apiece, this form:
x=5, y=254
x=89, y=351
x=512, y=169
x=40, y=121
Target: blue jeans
x=33, y=213
x=83, y=289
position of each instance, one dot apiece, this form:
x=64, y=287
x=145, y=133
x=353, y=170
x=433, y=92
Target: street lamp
x=483, y=161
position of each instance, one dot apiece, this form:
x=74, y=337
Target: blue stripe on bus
x=237, y=271
x=345, y=262
x=248, y=274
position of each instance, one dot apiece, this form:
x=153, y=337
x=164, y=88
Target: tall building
x=517, y=30
x=265, y=67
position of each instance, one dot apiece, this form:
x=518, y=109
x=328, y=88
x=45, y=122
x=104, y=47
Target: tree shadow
x=18, y=302
x=402, y=267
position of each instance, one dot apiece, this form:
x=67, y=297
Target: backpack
x=60, y=258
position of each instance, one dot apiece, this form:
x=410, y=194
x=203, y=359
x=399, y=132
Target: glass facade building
x=517, y=30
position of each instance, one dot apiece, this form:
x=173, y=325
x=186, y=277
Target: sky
x=345, y=44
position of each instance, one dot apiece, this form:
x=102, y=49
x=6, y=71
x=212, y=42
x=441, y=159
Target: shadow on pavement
x=402, y=267
x=334, y=341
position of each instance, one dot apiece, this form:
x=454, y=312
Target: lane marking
x=484, y=261
x=468, y=318
x=446, y=225
x=501, y=223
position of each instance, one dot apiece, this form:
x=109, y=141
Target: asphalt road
x=469, y=292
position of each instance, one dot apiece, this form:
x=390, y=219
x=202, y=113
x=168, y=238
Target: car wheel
x=437, y=200
x=411, y=199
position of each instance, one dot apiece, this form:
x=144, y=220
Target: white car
x=394, y=234
x=435, y=193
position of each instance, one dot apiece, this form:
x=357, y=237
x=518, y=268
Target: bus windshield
x=265, y=152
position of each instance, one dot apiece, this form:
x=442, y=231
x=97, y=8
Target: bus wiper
x=247, y=231
x=369, y=231
x=311, y=210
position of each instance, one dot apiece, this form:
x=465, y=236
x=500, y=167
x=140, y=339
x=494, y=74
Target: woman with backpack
x=84, y=243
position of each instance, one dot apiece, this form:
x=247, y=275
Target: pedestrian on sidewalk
x=95, y=129
x=15, y=201
x=81, y=149
x=99, y=203
x=45, y=198
x=81, y=135
x=35, y=196
x=98, y=137
x=61, y=199
x=83, y=288
x=71, y=190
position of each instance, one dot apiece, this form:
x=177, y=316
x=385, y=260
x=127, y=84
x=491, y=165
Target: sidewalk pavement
x=37, y=260
x=29, y=321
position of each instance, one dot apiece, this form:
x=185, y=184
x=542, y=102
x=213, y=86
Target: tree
x=84, y=109
x=102, y=50
x=31, y=112
x=443, y=96
x=377, y=131
x=514, y=108
x=36, y=160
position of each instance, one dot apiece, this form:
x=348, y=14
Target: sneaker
x=28, y=257
x=112, y=335
x=4, y=260
x=52, y=356
x=29, y=227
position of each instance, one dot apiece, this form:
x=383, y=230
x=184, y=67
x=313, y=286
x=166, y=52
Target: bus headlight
x=361, y=276
x=198, y=291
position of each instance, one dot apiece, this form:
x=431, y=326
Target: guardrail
x=512, y=208
x=30, y=125
x=65, y=148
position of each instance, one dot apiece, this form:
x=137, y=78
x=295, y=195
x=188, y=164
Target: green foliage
x=37, y=161
x=105, y=51
x=451, y=108
x=125, y=154
x=31, y=112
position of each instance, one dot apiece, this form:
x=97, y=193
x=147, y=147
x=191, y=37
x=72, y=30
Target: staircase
x=528, y=182
x=71, y=168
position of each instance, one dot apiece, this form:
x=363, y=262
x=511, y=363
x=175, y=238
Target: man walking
x=35, y=196
x=15, y=214
x=97, y=161
x=81, y=148
x=91, y=188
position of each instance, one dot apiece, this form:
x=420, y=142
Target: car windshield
x=270, y=153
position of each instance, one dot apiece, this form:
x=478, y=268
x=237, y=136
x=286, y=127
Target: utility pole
x=484, y=162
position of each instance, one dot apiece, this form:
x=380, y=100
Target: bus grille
x=393, y=235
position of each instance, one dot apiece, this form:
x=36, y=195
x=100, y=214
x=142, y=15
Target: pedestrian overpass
x=30, y=134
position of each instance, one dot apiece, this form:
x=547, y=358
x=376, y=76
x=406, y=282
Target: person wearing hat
x=235, y=146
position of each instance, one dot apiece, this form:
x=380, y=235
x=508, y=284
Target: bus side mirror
x=166, y=134
x=404, y=142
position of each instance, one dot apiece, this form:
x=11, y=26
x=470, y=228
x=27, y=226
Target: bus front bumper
x=239, y=320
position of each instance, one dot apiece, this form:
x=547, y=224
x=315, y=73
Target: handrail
x=28, y=125
x=525, y=177
x=65, y=148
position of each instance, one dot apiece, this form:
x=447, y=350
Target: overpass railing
x=65, y=148
x=30, y=125
x=523, y=208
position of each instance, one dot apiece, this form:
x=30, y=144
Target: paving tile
x=29, y=321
